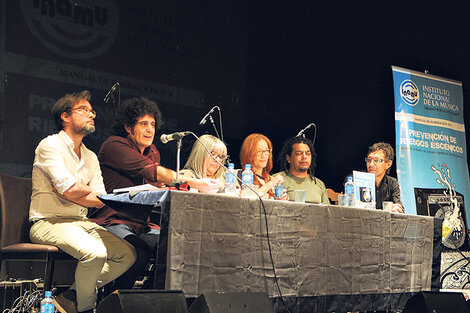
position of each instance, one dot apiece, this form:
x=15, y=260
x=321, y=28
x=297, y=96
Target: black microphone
x=303, y=130
x=110, y=92
x=175, y=136
x=204, y=119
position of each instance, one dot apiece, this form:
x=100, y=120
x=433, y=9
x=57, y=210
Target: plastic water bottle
x=230, y=183
x=47, y=304
x=349, y=191
x=278, y=190
x=247, y=179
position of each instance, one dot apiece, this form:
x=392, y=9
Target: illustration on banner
x=453, y=226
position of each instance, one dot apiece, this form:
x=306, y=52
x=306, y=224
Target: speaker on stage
x=232, y=302
x=437, y=202
x=143, y=301
x=440, y=302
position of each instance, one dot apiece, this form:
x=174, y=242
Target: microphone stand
x=177, y=184
x=209, y=116
x=215, y=128
x=178, y=153
x=111, y=98
x=221, y=128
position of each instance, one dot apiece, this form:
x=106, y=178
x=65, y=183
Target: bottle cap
x=48, y=294
x=231, y=165
x=350, y=178
x=248, y=166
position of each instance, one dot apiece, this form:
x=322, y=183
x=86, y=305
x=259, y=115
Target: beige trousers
x=102, y=256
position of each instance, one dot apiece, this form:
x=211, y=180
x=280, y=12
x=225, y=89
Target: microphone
x=204, y=119
x=303, y=130
x=175, y=136
x=110, y=92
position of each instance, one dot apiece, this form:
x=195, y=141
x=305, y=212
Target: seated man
x=297, y=159
x=379, y=160
x=66, y=181
x=130, y=158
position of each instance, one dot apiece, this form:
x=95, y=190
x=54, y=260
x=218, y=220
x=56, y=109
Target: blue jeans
x=145, y=245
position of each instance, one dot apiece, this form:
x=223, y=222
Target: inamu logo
x=409, y=92
x=76, y=29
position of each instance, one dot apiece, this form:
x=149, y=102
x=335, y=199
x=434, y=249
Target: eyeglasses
x=221, y=157
x=85, y=112
x=266, y=152
x=376, y=160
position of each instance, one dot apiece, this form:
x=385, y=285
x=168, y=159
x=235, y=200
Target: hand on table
x=397, y=208
x=208, y=185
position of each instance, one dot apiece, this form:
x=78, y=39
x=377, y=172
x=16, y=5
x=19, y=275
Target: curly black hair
x=131, y=110
x=287, y=150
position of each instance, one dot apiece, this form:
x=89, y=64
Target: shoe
x=64, y=305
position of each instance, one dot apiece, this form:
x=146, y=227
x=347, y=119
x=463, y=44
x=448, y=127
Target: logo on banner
x=409, y=92
x=77, y=29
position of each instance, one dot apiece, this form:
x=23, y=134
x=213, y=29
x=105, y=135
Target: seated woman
x=202, y=165
x=257, y=150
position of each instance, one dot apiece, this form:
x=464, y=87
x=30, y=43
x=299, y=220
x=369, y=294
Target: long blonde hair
x=197, y=159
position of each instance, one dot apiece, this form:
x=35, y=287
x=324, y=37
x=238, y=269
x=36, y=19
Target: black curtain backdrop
x=330, y=63
x=272, y=66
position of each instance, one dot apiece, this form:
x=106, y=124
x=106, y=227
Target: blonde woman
x=202, y=165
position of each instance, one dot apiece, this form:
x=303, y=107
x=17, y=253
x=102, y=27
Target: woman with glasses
x=201, y=164
x=257, y=150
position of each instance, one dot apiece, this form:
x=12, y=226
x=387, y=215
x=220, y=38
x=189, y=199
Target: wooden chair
x=333, y=196
x=15, y=197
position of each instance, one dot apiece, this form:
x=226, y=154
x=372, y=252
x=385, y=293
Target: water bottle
x=230, y=183
x=47, y=304
x=349, y=191
x=247, y=179
x=278, y=190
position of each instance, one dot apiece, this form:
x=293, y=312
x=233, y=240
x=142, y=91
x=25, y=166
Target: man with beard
x=66, y=182
x=297, y=159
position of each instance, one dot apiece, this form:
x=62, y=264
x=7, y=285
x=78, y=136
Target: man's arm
x=81, y=194
x=395, y=197
x=50, y=159
x=205, y=185
x=76, y=194
x=118, y=153
x=323, y=192
x=324, y=197
x=79, y=189
x=168, y=176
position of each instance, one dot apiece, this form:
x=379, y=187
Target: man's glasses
x=85, y=112
x=266, y=152
x=376, y=160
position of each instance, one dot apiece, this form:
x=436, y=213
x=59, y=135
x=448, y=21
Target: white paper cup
x=387, y=206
